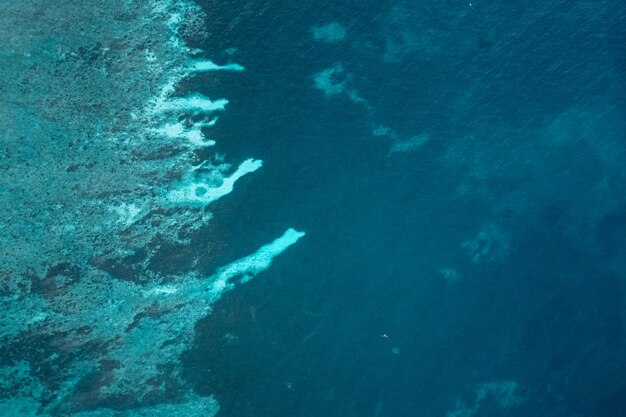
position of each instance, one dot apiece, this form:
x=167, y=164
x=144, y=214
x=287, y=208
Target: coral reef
x=100, y=171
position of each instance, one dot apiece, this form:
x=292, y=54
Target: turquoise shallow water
x=451, y=177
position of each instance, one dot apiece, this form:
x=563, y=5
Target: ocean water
x=449, y=181
x=490, y=255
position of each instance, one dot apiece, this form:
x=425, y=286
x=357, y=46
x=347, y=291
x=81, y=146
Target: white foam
x=208, y=65
x=200, y=193
x=196, y=137
x=194, y=134
x=162, y=290
x=251, y=265
x=196, y=103
x=172, y=130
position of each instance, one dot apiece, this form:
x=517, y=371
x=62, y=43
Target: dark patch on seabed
x=480, y=273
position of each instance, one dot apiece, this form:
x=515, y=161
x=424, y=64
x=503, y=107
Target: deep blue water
x=523, y=103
